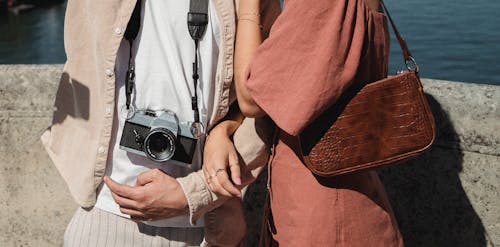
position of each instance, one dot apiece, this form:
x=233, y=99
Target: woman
x=314, y=52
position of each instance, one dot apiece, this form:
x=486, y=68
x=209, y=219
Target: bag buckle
x=411, y=64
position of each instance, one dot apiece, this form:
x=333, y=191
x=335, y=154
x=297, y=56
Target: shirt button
x=118, y=31
x=108, y=111
x=109, y=73
x=101, y=150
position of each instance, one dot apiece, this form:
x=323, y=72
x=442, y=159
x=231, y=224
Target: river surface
x=33, y=37
x=455, y=40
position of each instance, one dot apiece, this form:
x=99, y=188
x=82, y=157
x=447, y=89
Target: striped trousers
x=98, y=228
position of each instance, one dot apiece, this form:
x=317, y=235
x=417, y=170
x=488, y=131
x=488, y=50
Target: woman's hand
x=219, y=155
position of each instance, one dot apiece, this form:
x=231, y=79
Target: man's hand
x=156, y=196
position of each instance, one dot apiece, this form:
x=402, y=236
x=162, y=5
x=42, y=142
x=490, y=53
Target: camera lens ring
x=159, y=144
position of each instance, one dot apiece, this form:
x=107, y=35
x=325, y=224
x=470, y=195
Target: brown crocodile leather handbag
x=393, y=123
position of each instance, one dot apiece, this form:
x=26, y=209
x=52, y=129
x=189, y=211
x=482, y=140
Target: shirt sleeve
x=252, y=141
x=310, y=58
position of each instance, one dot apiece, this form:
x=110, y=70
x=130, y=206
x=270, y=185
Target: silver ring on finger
x=219, y=170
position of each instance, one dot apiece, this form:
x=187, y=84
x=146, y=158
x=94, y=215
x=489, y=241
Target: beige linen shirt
x=78, y=140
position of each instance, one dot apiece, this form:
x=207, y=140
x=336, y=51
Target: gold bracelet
x=254, y=21
x=250, y=13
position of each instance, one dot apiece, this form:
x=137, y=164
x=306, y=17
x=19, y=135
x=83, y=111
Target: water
x=33, y=37
x=455, y=40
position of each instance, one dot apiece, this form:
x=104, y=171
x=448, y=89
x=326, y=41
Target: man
x=92, y=108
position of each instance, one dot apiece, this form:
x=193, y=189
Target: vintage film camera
x=160, y=137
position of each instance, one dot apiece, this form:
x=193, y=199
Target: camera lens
x=159, y=145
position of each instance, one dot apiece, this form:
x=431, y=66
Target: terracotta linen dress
x=314, y=52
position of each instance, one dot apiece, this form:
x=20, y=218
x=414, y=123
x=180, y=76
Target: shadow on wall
x=429, y=202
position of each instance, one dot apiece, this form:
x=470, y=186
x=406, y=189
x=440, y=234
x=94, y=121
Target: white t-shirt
x=164, y=52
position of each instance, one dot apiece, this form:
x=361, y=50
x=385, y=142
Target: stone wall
x=449, y=196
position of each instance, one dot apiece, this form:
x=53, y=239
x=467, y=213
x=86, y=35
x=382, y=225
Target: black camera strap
x=197, y=21
x=197, y=25
x=130, y=35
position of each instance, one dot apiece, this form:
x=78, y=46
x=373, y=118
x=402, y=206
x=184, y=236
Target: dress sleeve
x=310, y=58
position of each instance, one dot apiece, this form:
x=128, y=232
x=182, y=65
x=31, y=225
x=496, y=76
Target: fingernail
x=237, y=181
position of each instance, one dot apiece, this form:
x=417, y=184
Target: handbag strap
x=409, y=59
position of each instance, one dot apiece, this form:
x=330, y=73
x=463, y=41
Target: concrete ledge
x=35, y=203
x=447, y=197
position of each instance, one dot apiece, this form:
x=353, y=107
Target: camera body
x=159, y=137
